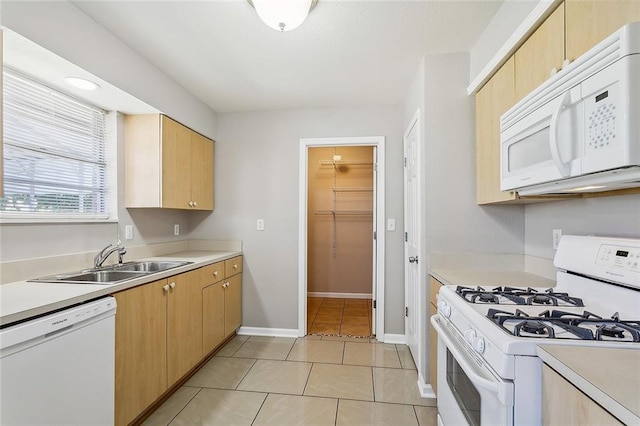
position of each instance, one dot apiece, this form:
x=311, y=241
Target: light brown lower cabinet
x=165, y=328
x=433, y=336
x=565, y=405
x=141, y=355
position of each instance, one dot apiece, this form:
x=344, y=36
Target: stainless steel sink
x=112, y=274
x=149, y=266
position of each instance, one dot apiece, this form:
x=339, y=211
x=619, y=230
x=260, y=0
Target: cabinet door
x=213, y=331
x=184, y=324
x=565, y=405
x=543, y=51
x=141, y=362
x=496, y=97
x=176, y=164
x=202, y=172
x=233, y=304
x=589, y=21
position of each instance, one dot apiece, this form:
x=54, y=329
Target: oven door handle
x=503, y=390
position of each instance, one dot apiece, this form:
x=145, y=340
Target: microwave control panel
x=601, y=110
x=619, y=257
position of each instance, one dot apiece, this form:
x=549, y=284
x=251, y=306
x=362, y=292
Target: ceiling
x=347, y=53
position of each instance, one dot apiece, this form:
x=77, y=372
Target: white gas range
x=488, y=371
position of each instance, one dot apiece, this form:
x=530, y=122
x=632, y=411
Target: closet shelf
x=344, y=212
x=346, y=162
x=352, y=189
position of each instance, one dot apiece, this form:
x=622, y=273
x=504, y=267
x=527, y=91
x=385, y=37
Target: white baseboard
x=339, y=295
x=268, y=332
x=426, y=391
x=398, y=339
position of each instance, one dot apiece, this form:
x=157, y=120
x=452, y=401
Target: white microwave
x=580, y=130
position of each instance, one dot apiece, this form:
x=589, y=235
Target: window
x=54, y=154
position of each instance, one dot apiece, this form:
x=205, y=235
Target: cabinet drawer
x=233, y=266
x=214, y=272
x=433, y=290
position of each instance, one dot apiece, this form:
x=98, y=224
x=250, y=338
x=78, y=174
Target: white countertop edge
x=607, y=402
x=87, y=292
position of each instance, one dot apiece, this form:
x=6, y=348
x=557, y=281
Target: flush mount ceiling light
x=283, y=15
x=81, y=83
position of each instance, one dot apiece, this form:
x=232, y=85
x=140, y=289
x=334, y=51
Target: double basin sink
x=113, y=274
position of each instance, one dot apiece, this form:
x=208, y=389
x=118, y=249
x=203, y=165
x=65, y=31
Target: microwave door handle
x=563, y=168
x=503, y=391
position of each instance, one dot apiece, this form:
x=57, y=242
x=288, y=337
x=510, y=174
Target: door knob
x=413, y=259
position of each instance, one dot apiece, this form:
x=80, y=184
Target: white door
x=412, y=215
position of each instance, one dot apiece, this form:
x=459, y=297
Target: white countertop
x=22, y=300
x=611, y=377
x=473, y=277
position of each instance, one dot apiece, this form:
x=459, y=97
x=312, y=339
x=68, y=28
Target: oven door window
x=464, y=392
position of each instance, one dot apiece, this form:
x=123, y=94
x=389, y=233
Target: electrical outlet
x=557, y=233
x=176, y=229
x=260, y=224
x=128, y=232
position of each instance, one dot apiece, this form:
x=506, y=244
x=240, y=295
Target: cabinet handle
x=165, y=288
x=215, y=273
x=172, y=285
x=235, y=266
x=195, y=204
x=191, y=204
x=225, y=285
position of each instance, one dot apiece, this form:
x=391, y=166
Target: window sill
x=19, y=220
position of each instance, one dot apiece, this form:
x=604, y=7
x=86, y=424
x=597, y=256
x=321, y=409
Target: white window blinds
x=54, y=153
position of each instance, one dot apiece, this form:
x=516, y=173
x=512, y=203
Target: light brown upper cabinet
x=543, y=51
x=167, y=165
x=1, y=115
x=589, y=21
x=497, y=96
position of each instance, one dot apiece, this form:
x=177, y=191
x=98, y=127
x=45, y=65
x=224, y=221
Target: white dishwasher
x=58, y=369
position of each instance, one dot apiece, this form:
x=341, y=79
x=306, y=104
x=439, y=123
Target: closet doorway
x=340, y=259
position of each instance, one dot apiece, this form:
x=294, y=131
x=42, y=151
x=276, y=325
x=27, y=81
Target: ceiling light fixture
x=283, y=15
x=81, y=83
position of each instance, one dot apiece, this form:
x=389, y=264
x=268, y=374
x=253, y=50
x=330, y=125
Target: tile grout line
x=245, y=374
x=182, y=409
x=306, y=383
x=259, y=409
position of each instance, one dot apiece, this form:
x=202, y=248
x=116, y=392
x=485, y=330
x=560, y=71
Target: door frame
x=379, y=205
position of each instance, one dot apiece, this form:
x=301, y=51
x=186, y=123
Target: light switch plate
x=260, y=224
x=128, y=232
x=557, y=234
x=391, y=224
x=176, y=229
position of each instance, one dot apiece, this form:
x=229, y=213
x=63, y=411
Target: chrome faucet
x=106, y=252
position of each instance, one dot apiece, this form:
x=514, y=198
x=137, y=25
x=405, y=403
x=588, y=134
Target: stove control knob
x=478, y=345
x=470, y=335
x=444, y=308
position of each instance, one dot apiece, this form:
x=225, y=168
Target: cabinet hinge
x=374, y=304
x=375, y=167
x=375, y=235
x=405, y=161
x=406, y=311
x=406, y=237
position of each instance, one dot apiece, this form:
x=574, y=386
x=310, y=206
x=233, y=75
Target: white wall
x=63, y=29
x=453, y=222
x=256, y=176
x=608, y=216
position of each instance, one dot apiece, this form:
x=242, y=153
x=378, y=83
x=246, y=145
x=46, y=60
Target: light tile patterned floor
x=311, y=381
x=339, y=317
